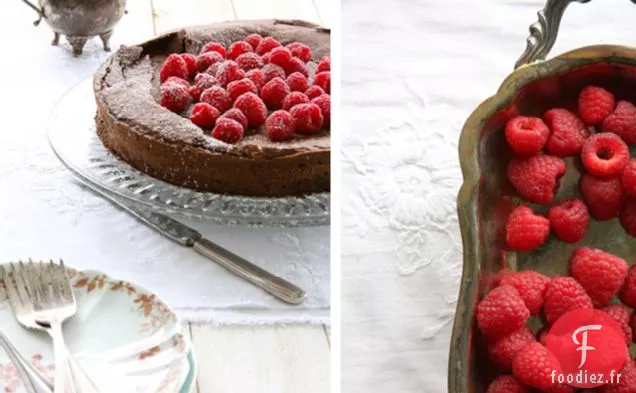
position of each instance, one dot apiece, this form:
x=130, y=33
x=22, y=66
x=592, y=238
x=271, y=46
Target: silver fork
x=54, y=303
x=42, y=298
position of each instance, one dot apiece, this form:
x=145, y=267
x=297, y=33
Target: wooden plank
x=280, y=9
x=137, y=25
x=324, y=11
x=170, y=15
x=261, y=359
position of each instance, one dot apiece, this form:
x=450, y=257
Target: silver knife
x=188, y=237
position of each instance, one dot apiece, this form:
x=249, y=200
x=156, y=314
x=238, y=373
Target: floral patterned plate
x=125, y=338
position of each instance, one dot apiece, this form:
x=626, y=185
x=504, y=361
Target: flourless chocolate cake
x=168, y=145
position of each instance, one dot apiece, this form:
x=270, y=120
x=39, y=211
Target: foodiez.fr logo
x=589, y=349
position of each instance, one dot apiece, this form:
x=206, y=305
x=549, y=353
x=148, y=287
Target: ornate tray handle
x=36, y=9
x=544, y=32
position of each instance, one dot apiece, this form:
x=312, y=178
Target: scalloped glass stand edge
x=72, y=137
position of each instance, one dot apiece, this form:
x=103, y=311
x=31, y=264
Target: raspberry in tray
x=536, y=178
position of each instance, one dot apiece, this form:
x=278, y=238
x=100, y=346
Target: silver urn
x=80, y=20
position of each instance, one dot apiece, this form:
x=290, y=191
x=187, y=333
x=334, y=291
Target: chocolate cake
x=133, y=125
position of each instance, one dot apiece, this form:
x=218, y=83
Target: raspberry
x=195, y=92
x=536, y=178
x=179, y=81
x=213, y=47
x=253, y=108
x=272, y=71
x=297, y=82
x=622, y=122
x=525, y=230
x=236, y=114
x=604, y=154
x=202, y=82
x=595, y=104
x=257, y=77
x=191, y=63
x=204, y=79
x=217, y=97
x=324, y=103
x=237, y=88
x=526, y=135
x=506, y=384
x=568, y=132
x=503, y=350
x=625, y=384
x=228, y=130
x=274, y=92
x=205, y=60
x=629, y=177
x=204, y=115
x=174, y=97
x=628, y=293
x=501, y=312
x=267, y=57
x=294, y=98
x=173, y=66
x=530, y=285
x=324, y=65
x=266, y=45
x=300, y=50
x=280, y=125
x=562, y=295
x=212, y=70
x=533, y=366
x=249, y=61
x=238, y=48
x=254, y=40
x=600, y=273
x=628, y=216
x=228, y=72
x=308, y=118
x=570, y=220
x=323, y=79
x=604, y=197
x=296, y=65
x=623, y=316
x=543, y=336
x=280, y=56
x=314, y=91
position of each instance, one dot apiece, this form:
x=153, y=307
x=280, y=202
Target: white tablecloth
x=412, y=73
x=44, y=212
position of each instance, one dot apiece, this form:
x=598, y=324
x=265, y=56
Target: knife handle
x=275, y=285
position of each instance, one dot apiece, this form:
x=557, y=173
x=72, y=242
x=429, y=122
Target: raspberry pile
x=518, y=311
x=254, y=83
x=519, y=308
x=599, y=134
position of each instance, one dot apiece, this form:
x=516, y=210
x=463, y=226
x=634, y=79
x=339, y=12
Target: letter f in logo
x=584, y=347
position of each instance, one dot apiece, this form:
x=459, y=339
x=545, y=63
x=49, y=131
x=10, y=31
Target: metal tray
x=486, y=196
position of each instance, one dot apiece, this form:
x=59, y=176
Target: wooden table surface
x=247, y=359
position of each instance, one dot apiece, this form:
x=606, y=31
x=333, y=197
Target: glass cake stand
x=73, y=138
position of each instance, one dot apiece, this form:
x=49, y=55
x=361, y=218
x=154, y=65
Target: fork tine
x=11, y=287
x=57, y=283
x=21, y=286
x=29, y=278
x=67, y=293
x=39, y=288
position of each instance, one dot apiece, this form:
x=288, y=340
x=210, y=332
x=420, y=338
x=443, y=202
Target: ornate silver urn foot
x=79, y=20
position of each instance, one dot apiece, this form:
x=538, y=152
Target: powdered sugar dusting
x=128, y=86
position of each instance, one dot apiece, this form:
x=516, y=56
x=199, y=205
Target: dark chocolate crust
x=132, y=124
